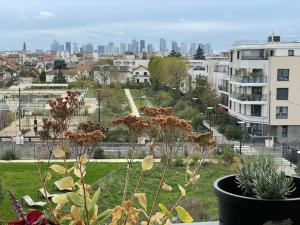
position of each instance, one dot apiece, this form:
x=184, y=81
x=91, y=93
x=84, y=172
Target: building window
x=291, y=53
x=281, y=112
x=145, y=73
x=238, y=55
x=283, y=74
x=271, y=52
x=282, y=94
x=136, y=73
x=284, y=131
x=231, y=56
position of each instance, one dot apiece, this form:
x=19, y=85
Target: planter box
x=236, y=209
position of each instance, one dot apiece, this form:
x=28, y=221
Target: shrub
x=9, y=155
x=233, y=132
x=228, y=155
x=178, y=162
x=258, y=177
x=99, y=154
x=222, y=128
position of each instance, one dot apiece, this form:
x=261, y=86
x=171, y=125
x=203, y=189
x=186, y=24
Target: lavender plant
x=258, y=177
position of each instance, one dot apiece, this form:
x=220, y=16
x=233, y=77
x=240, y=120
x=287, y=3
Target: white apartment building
x=261, y=87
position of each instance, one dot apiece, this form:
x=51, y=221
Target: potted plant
x=258, y=194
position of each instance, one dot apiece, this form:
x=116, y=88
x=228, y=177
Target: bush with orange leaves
x=153, y=111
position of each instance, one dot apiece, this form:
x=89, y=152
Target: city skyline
x=38, y=23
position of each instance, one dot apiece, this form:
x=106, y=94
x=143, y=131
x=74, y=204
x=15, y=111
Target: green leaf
x=75, y=199
x=94, y=200
x=183, y=215
x=103, y=216
x=165, y=210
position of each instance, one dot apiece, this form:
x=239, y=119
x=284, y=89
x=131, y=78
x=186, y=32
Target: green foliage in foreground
x=200, y=200
x=22, y=179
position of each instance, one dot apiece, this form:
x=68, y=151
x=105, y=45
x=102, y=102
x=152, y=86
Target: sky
x=219, y=22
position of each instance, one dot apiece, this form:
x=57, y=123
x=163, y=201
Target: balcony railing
x=249, y=79
x=249, y=97
x=253, y=57
x=223, y=88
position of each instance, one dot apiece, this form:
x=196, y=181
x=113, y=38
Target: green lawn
x=200, y=200
x=23, y=179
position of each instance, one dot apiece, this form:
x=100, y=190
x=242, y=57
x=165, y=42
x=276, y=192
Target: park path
x=134, y=110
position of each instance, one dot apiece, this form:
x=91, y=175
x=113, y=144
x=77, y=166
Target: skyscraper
x=135, y=46
x=162, y=45
x=149, y=48
x=75, y=47
x=184, y=48
x=100, y=49
x=24, y=47
x=174, y=46
x=68, y=47
x=193, y=48
x=122, y=48
x=142, y=45
x=55, y=46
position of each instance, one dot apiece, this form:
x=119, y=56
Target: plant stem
x=84, y=194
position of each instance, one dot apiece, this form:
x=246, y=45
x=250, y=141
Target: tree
x=205, y=95
x=169, y=71
x=59, y=78
x=60, y=64
x=175, y=54
x=43, y=76
x=199, y=54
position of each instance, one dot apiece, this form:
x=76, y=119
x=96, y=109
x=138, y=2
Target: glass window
x=281, y=112
x=284, y=131
x=291, y=53
x=282, y=94
x=283, y=74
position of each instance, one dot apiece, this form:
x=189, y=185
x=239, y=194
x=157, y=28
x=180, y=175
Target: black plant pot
x=236, y=209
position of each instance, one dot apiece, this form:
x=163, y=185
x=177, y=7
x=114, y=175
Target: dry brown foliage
x=153, y=111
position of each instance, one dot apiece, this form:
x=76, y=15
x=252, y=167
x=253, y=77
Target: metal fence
x=35, y=150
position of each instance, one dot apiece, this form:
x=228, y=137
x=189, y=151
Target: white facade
x=262, y=76
x=140, y=75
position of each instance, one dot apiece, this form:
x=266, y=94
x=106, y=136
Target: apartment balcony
x=256, y=79
x=223, y=88
x=253, y=57
x=250, y=97
x=251, y=117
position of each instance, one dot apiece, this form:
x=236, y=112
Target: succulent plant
x=258, y=177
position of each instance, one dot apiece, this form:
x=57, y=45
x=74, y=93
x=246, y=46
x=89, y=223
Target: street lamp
x=242, y=123
x=209, y=111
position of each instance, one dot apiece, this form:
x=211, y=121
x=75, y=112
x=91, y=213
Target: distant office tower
x=135, y=46
x=163, y=45
x=122, y=48
x=142, y=45
x=75, y=47
x=193, y=48
x=184, y=48
x=207, y=49
x=55, y=46
x=110, y=47
x=100, y=49
x=174, y=46
x=24, y=47
x=130, y=48
x=150, y=48
x=89, y=48
x=68, y=47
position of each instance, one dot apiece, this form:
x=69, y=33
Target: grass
x=23, y=179
x=201, y=193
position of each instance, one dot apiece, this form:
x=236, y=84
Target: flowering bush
x=79, y=206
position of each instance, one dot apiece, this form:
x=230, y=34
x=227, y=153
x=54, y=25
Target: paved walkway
x=134, y=110
x=92, y=104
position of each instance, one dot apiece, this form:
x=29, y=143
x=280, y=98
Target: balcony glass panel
x=249, y=79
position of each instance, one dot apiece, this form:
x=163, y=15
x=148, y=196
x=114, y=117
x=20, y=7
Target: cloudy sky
x=220, y=22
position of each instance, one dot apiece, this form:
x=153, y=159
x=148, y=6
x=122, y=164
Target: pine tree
x=199, y=54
